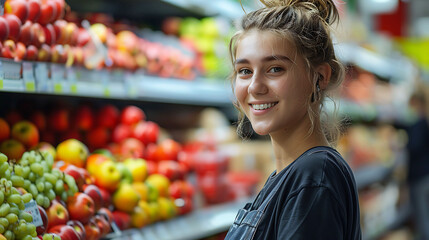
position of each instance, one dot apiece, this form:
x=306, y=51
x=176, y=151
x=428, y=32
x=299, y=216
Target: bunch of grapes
x=15, y=223
x=35, y=173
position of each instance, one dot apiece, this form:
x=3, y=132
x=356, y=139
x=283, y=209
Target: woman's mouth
x=263, y=106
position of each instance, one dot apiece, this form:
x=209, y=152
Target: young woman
x=284, y=67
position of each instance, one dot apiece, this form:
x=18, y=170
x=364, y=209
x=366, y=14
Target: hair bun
x=326, y=8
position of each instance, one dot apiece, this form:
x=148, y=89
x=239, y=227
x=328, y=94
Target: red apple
x=34, y=7
x=92, y=230
x=83, y=37
x=81, y=207
x=150, y=152
x=12, y=148
x=186, y=206
x=26, y=35
x=50, y=37
x=78, y=227
x=132, y=148
x=98, y=137
x=38, y=33
x=171, y=169
x=4, y=130
x=102, y=224
x=84, y=118
x=13, y=117
x=25, y=132
x=39, y=119
x=108, y=116
x=59, y=25
x=44, y=54
x=9, y=49
x=60, y=5
x=58, y=120
x=132, y=115
x=58, y=54
x=168, y=150
x=18, y=8
x=106, y=213
x=57, y=214
x=94, y=192
x=14, y=26
x=147, y=132
x=32, y=53
x=120, y=133
x=43, y=228
x=181, y=189
x=121, y=219
x=65, y=232
x=21, y=52
x=107, y=198
x=4, y=29
x=48, y=11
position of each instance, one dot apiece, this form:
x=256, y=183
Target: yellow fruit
x=72, y=151
x=138, y=168
x=142, y=190
x=161, y=182
x=125, y=198
x=154, y=211
x=167, y=208
x=140, y=217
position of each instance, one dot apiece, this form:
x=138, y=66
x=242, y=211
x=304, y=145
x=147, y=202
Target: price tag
x=1, y=76
x=41, y=75
x=31, y=208
x=71, y=75
x=57, y=77
x=28, y=76
x=130, y=85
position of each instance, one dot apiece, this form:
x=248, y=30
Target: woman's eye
x=244, y=71
x=275, y=69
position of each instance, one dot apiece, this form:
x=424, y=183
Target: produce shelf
x=198, y=224
x=106, y=84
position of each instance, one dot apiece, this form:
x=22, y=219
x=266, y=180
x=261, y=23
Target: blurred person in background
x=418, y=167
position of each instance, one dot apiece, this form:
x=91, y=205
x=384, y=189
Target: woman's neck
x=291, y=143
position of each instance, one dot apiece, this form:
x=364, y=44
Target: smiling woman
x=284, y=66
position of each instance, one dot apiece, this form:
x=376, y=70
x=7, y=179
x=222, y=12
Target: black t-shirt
x=418, y=150
x=317, y=200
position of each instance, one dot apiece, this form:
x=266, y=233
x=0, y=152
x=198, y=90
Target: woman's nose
x=257, y=85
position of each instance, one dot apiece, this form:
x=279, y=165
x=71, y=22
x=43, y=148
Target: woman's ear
x=324, y=71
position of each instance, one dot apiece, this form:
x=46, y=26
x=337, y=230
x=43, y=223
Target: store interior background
x=383, y=43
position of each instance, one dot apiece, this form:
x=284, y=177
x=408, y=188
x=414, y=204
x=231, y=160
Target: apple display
x=57, y=214
x=81, y=207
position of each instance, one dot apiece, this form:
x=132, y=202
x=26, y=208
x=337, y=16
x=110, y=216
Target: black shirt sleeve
x=312, y=213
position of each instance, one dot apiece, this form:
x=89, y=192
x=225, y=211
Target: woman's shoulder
x=321, y=166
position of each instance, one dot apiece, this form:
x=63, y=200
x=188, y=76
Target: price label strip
x=130, y=85
x=12, y=79
x=31, y=208
x=1, y=76
x=41, y=73
x=71, y=75
x=28, y=76
x=58, y=78
x=106, y=84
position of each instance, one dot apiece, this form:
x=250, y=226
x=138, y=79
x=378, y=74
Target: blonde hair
x=307, y=25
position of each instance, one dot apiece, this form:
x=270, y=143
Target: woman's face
x=272, y=85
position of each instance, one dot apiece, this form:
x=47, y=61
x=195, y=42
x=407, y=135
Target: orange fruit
x=4, y=130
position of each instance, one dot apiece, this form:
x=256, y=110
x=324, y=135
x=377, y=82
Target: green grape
x=7, y=174
x=45, y=166
x=4, y=222
x=15, y=191
x=51, y=178
x=57, y=173
x=27, y=197
x=59, y=186
x=26, y=172
x=12, y=218
x=14, y=198
x=18, y=170
x=31, y=229
x=1, y=197
x=32, y=176
x=27, y=184
x=47, y=236
x=40, y=186
x=70, y=192
x=56, y=237
x=21, y=205
x=37, y=168
x=2, y=229
x=14, y=209
x=3, y=158
x=31, y=158
x=28, y=237
x=26, y=216
x=49, y=160
x=40, y=199
x=51, y=195
x=17, y=181
x=33, y=190
x=8, y=234
x=48, y=186
x=4, y=209
x=46, y=202
x=64, y=196
x=3, y=167
x=23, y=162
